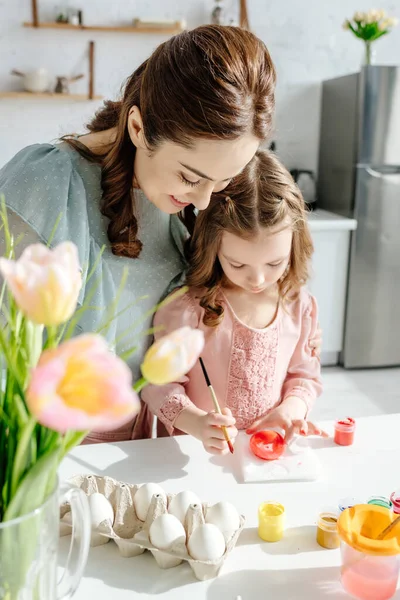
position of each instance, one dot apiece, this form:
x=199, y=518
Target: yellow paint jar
x=327, y=531
x=271, y=521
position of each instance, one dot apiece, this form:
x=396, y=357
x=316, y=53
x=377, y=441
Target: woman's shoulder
x=43, y=186
x=37, y=159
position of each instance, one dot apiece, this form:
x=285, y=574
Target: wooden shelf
x=47, y=96
x=122, y=29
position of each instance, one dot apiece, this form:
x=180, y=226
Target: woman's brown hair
x=212, y=82
x=264, y=195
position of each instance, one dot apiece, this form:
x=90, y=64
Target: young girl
x=248, y=263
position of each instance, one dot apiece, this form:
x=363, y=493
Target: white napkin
x=298, y=463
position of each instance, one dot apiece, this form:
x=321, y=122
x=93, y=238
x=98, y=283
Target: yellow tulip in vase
x=54, y=388
x=369, y=27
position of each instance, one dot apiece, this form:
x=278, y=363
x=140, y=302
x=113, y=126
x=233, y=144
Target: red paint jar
x=395, y=500
x=344, y=431
x=267, y=445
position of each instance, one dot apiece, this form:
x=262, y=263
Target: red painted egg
x=268, y=445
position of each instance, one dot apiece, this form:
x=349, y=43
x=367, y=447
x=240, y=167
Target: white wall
x=305, y=38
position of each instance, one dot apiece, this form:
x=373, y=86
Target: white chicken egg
x=165, y=531
x=100, y=509
x=180, y=504
x=142, y=498
x=224, y=516
x=206, y=543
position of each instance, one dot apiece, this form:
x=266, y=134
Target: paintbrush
x=388, y=529
x=216, y=405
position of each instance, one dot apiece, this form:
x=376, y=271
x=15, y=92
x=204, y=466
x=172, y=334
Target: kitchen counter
x=323, y=220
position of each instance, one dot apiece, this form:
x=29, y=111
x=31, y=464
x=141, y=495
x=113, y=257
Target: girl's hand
x=280, y=417
x=206, y=427
x=208, y=430
x=316, y=343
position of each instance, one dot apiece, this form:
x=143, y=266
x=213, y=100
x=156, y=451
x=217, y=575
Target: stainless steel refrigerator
x=359, y=177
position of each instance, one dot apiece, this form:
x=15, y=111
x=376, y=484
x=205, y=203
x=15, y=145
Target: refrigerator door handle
x=383, y=172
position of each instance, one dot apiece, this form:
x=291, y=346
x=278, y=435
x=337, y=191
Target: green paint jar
x=380, y=501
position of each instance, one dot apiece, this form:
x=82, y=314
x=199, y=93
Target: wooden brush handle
x=218, y=410
x=388, y=529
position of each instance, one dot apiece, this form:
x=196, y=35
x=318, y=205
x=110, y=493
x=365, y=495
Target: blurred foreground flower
x=45, y=283
x=172, y=356
x=81, y=385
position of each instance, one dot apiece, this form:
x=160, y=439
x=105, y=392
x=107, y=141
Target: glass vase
x=369, y=54
x=28, y=549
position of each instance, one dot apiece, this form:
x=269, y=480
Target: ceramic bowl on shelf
x=36, y=81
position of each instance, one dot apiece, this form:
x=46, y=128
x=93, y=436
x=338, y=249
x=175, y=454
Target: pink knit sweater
x=251, y=370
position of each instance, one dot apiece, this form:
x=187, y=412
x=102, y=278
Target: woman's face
x=173, y=177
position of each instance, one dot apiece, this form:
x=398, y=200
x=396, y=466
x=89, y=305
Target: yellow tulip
x=45, y=283
x=172, y=356
x=81, y=385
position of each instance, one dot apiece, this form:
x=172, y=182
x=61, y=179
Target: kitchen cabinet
x=331, y=236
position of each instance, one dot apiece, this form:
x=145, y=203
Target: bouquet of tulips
x=369, y=27
x=54, y=388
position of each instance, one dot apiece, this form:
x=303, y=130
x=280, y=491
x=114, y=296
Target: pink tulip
x=45, y=283
x=81, y=385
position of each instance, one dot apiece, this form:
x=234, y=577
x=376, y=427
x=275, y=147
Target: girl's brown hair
x=263, y=195
x=212, y=82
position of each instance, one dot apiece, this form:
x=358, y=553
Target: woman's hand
x=316, y=343
x=286, y=417
x=206, y=427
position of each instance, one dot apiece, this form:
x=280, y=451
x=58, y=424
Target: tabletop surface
x=296, y=567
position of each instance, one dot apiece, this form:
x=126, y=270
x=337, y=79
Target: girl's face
x=173, y=177
x=257, y=264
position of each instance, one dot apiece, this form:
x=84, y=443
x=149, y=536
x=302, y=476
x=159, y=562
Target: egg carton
x=132, y=535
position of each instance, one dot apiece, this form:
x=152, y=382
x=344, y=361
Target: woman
x=190, y=119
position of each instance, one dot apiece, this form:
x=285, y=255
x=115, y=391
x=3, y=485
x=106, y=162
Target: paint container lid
x=380, y=501
x=346, y=424
x=267, y=445
x=327, y=520
x=347, y=503
x=329, y=510
x=395, y=498
x=271, y=510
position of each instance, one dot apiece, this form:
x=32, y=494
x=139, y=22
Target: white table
x=294, y=568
